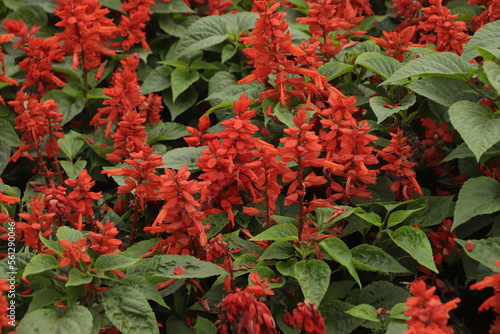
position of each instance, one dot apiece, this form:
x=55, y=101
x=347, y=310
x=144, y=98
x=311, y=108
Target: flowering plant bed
x=302, y=166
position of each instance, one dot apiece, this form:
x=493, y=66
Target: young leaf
x=73, y=170
x=281, y=232
x=40, y=263
x=478, y=196
x=181, y=80
x=397, y=217
x=485, y=251
x=129, y=311
x=68, y=233
x=379, y=63
x=278, y=250
x=442, y=64
x=370, y=217
x=477, y=125
x=339, y=251
x=415, y=242
x=76, y=319
x=383, y=107
x=71, y=144
x=76, y=277
x=375, y=259
x=314, y=278
x=364, y=311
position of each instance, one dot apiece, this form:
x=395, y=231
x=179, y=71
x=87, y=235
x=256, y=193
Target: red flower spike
x=492, y=302
x=104, y=243
x=428, y=314
x=74, y=252
x=132, y=27
x=306, y=317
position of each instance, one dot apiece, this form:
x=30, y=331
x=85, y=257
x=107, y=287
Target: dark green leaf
x=375, y=259
x=478, y=196
x=76, y=277
x=75, y=320
x=486, y=251
x=113, y=261
x=397, y=217
x=69, y=106
x=280, y=232
x=68, y=233
x=383, y=294
x=337, y=321
x=43, y=298
x=278, y=250
x=129, y=311
x=433, y=209
x=339, y=251
x=333, y=69
x=164, y=265
x=204, y=326
x=8, y=134
x=30, y=14
x=444, y=91
x=146, y=288
x=73, y=170
x=184, y=101
x=314, y=278
x=183, y=156
x=181, y=80
x=380, y=63
x=157, y=80
x=171, y=7
x=202, y=34
x=378, y=104
x=71, y=144
x=217, y=222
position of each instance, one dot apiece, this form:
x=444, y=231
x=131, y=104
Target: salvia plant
x=218, y=166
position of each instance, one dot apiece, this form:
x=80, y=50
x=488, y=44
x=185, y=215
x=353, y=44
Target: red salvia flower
x=151, y=108
x=36, y=223
x=218, y=7
x=74, y=252
x=131, y=27
x=408, y=11
x=4, y=39
x=441, y=29
x=124, y=94
x=130, y=136
x=199, y=137
x=490, y=14
x=398, y=156
x=105, y=242
x=428, y=314
x=397, y=43
x=436, y=138
x=494, y=301
x=80, y=199
x=5, y=321
x=55, y=200
x=306, y=317
x=86, y=31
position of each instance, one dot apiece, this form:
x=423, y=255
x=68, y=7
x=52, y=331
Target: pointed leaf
x=378, y=104
x=478, y=196
x=164, y=266
x=476, y=125
x=415, y=242
x=75, y=320
x=114, y=261
x=444, y=91
x=486, y=37
x=397, y=217
x=314, y=278
x=76, y=277
x=157, y=80
x=380, y=63
x=492, y=71
x=486, y=251
x=281, y=232
x=339, y=251
x=364, y=311
x=181, y=80
x=71, y=144
x=278, y=250
x=375, y=259
x=40, y=263
x=204, y=33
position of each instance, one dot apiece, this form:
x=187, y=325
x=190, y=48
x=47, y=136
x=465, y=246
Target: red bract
x=37, y=223
x=218, y=7
x=124, y=93
x=244, y=312
x=199, y=137
x=306, y=317
x=428, y=314
x=130, y=136
x=490, y=14
x=408, y=11
x=494, y=301
x=436, y=138
x=441, y=28
x=86, y=31
x=131, y=27
x=141, y=177
x=180, y=215
x=396, y=44
x=4, y=39
x=74, y=252
x=104, y=243
x=398, y=155
x=80, y=199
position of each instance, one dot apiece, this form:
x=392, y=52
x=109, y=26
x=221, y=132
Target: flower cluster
x=306, y=317
x=494, y=301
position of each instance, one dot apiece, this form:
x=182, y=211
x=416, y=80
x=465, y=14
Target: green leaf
x=486, y=37
x=442, y=64
x=31, y=15
x=204, y=326
x=364, y=311
x=68, y=233
x=334, y=69
x=171, y=7
x=375, y=259
x=280, y=232
x=181, y=80
x=165, y=131
x=397, y=217
x=433, y=209
x=478, y=196
x=157, y=80
x=40, y=263
x=287, y=268
x=284, y=115
x=278, y=250
x=383, y=294
x=164, y=265
x=202, y=34
x=228, y=51
x=377, y=103
x=444, y=91
x=43, y=298
x=180, y=157
x=380, y=63
x=314, y=278
x=145, y=287
x=71, y=144
x=492, y=71
x=217, y=222
x=113, y=261
x=183, y=102
x=8, y=134
x=76, y=320
x=4, y=155
x=486, y=251
x=76, y=277
x=415, y=242
x=73, y=170
x=129, y=310
x=397, y=311
x=370, y=217
x=476, y=125
x=336, y=320
x=339, y=251
x=140, y=248
x=69, y=106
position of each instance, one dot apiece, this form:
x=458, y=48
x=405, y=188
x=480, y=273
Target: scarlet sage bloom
x=124, y=93
x=86, y=31
x=441, y=29
x=494, y=301
x=5, y=322
x=37, y=223
x=131, y=27
x=218, y=7
x=436, y=138
x=104, y=242
x=428, y=314
x=129, y=137
x=244, y=312
x=4, y=39
x=80, y=199
x=491, y=12
x=74, y=252
x=396, y=44
x=306, y=317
